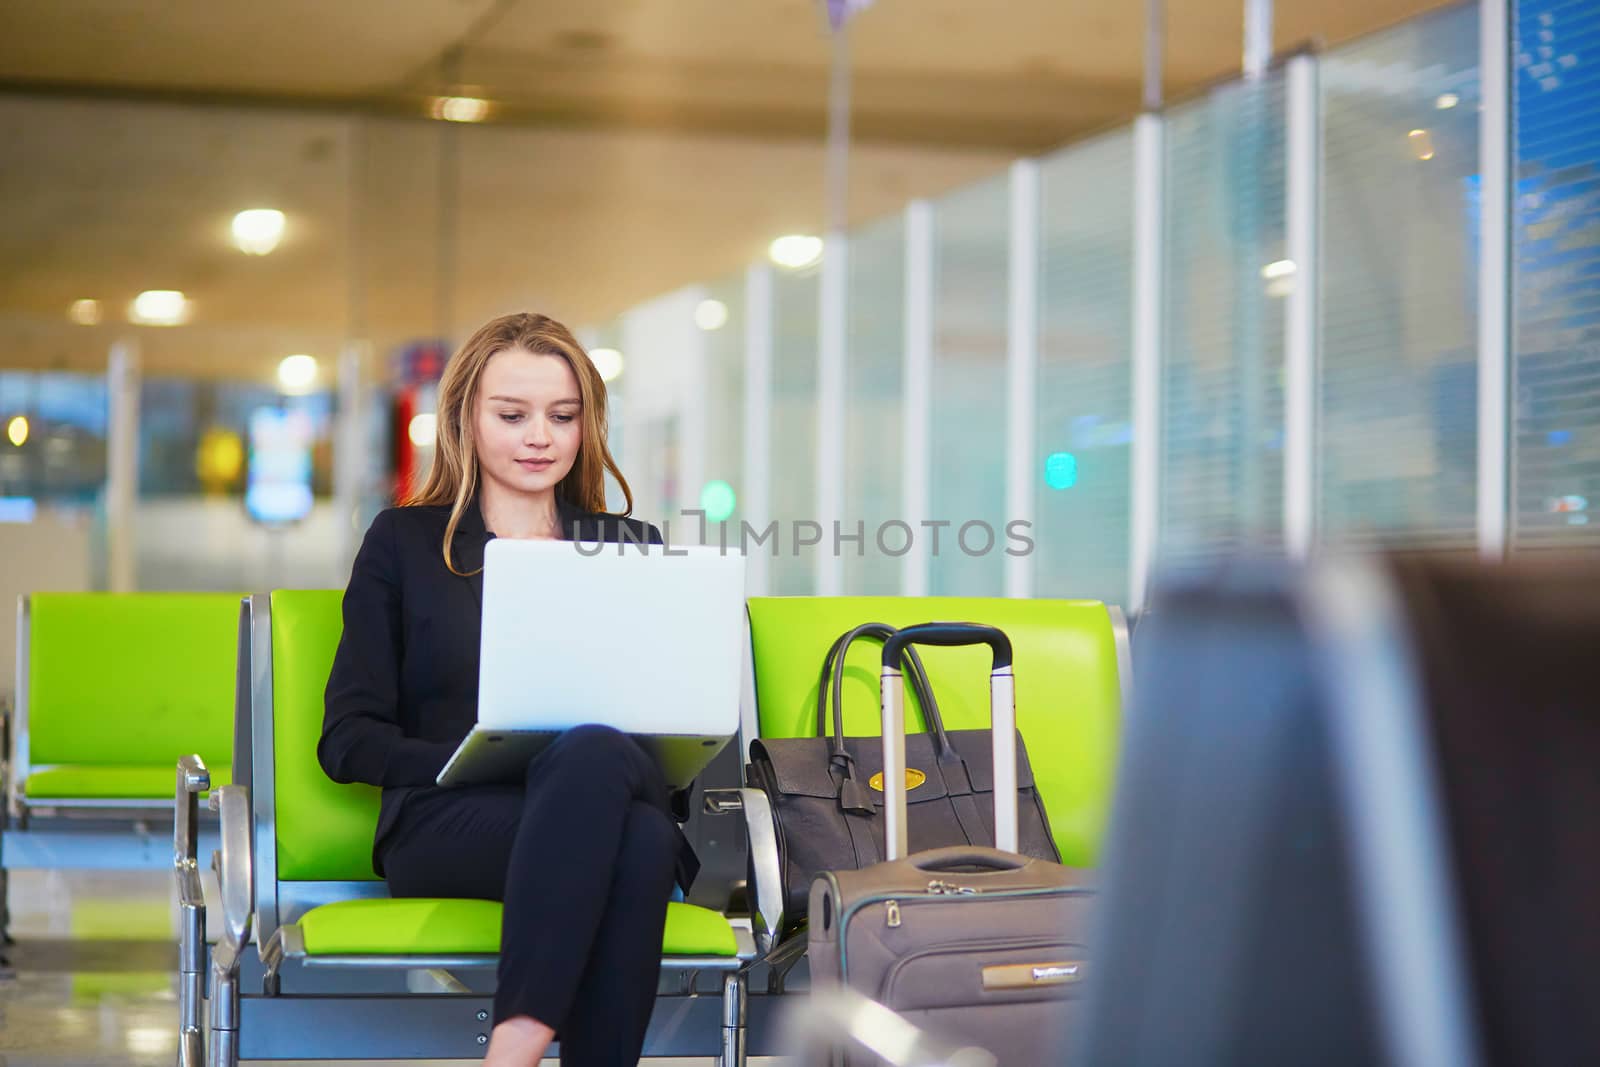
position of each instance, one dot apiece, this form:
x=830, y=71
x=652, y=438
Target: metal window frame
x=1149, y=218
x=916, y=392
x=123, y=377
x=832, y=308
x=1495, y=368
x=1302, y=315
x=1022, y=364
x=758, y=341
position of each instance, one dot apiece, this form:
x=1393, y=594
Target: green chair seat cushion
x=423, y=926
x=87, y=781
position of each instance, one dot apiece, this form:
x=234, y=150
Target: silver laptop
x=646, y=642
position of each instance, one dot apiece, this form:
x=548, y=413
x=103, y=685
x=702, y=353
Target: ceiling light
x=17, y=430
x=1446, y=101
x=608, y=361
x=85, y=312
x=711, y=315
x=1421, y=144
x=159, y=307
x=423, y=429
x=258, y=230
x=460, y=108
x=297, y=373
x=795, y=250
x=1279, y=269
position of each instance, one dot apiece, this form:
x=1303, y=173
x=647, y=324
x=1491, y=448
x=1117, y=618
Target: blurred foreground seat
x=1358, y=821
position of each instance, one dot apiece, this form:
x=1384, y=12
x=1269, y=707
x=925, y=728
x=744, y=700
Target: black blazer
x=403, y=691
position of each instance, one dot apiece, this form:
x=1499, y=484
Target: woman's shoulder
x=410, y=519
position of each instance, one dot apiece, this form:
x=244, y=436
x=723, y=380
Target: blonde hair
x=453, y=480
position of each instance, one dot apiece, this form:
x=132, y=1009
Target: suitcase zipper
x=891, y=911
x=850, y=912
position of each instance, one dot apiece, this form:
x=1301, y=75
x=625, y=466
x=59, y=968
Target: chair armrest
x=834, y=1019
x=766, y=873
x=235, y=869
x=193, y=779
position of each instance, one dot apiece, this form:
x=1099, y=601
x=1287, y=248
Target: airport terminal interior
x=1230, y=369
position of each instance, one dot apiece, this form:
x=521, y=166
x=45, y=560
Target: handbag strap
x=952, y=766
x=852, y=797
x=833, y=677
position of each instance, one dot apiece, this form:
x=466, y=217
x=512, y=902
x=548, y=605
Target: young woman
x=584, y=851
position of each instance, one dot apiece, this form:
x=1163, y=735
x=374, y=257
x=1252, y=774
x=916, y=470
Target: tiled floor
x=91, y=981
x=91, y=971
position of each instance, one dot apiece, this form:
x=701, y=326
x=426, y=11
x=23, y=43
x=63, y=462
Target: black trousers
x=584, y=855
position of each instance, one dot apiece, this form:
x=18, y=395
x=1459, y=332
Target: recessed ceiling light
x=423, y=429
x=297, y=373
x=258, y=230
x=711, y=315
x=460, y=108
x=17, y=430
x=1446, y=101
x=1278, y=269
x=795, y=250
x=85, y=312
x=608, y=361
x=159, y=307
x=1421, y=144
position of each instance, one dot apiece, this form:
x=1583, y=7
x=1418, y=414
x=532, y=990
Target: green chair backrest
x=324, y=829
x=1067, y=687
x=131, y=678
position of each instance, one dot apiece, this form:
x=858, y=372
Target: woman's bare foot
x=518, y=1042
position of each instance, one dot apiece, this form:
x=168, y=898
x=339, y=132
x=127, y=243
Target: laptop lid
x=628, y=636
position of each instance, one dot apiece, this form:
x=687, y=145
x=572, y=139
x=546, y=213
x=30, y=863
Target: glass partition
x=1083, y=405
x=967, y=483
x=1222, y=383
x=1399, y=362
x=875, y=354
x=794, y=430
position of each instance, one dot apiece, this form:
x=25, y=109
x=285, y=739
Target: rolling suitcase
x=977, y=946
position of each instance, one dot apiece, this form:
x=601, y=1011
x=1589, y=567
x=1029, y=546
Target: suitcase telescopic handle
x=949, y=634
x=1002, y=721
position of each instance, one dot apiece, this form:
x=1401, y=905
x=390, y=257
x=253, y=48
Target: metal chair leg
x=191, y=984
x=224, y=1050
x=733, y=1019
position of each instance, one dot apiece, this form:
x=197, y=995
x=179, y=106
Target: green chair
x=295, y=867
x=111, y=688
x=1071, y=664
